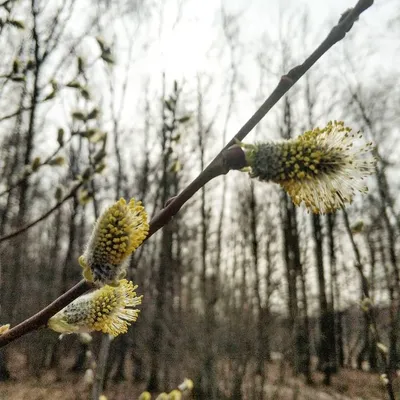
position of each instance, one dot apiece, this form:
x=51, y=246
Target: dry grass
x=281, y=385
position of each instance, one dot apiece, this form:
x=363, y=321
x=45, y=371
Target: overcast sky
x=190, y=39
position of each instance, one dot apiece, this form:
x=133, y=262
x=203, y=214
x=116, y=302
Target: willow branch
x=40, y=318
x=229, y=158
x=337, y=33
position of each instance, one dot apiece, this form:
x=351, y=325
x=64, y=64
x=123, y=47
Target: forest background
x=241, y=284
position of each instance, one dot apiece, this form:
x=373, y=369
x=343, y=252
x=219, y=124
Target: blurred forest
x=244, y=293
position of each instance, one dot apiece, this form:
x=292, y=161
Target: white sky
x=183, y=45
x=185, y=38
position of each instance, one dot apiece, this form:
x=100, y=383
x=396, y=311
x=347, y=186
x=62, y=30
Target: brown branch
x=43, y=216
x=42, y=164
x=40, y=319
x=227, y=159
x=15, y=113
x=369, y=310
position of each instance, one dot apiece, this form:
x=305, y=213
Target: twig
x=43, y=216
x=369, y=309
x=337, y=33
x=40, y=319
x=45, y=162
x=15, y=113
x=227, y=159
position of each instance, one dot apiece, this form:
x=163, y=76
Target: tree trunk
x=326, y=347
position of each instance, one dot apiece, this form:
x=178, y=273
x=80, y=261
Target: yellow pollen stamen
x=321, y=168
x=119, y=231
x=108, y=309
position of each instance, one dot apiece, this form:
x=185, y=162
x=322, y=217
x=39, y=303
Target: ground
x=347, y=385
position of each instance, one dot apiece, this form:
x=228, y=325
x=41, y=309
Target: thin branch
x=15, y=113
x=369, y=309
x=227, y=159
x=43, y=216
x=45, y=162
x=6, y=3
x=40, y=319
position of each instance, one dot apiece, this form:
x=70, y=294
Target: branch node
x=234, y=158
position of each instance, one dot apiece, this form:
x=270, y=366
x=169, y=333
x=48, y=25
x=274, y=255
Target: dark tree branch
x=45, y=162
x=15, y=113
x=40, y=319
x=71, y=193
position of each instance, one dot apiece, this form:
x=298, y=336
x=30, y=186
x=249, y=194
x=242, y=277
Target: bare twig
x=15, y=113
x=40, y=319
x=45, y=162
x=227, y=159
x=369, y=308
x=43, y=216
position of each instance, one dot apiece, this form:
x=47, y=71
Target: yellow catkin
x=119, y=231
x=322, y=168
x=109, y=309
